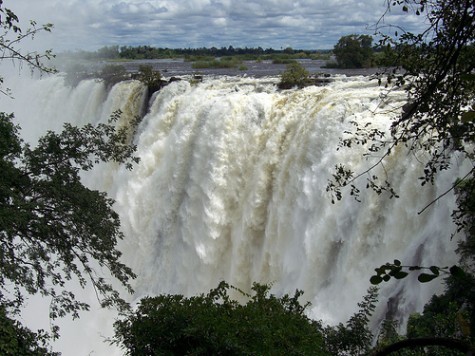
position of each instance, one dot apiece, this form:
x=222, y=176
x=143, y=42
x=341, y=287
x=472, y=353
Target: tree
x=112, y=74
x=53, y=229
x=288, y=50
x=51, y=224
x=16, y=339
x=449, y=315
x=215, y=324
x=150, y=77
x=464, y=216
x=107, y=52
x=354, y=338
x=443, y=328
x=354, y=51
x=294, y=76
x=436, y=70
x=12, y=35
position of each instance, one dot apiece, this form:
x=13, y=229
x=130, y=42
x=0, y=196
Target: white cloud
x=220, y=21
x=90, y=24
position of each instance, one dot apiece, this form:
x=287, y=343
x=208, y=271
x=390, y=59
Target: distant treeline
x=149, y=52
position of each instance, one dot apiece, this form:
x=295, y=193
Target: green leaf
x=394, y=271
x=397, y=262
x=434, y=270
x=424, y=277
x=400, y=275
x=375, y=280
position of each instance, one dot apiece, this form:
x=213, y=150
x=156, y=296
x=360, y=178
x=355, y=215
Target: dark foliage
x=51, y=225
x=354, y=338
x=294, y=76
x=53, y=229
x=16, y=340
x=354, y=51
x=215, y=324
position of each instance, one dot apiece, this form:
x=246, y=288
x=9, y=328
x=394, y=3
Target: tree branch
x=453, y=344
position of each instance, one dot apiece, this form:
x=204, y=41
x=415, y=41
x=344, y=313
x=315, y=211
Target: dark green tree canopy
x=51, y=225
x=354, y=51
x=15, y=339
x=215, y=324
x=53, y=229
x=354, y=338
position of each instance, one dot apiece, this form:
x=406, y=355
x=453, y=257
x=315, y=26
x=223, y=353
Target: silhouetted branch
x=453, y=344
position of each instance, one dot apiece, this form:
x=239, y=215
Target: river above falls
x=257, y=69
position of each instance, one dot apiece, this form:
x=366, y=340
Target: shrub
x=295, y=75
x=150, y=77
x=214, y=324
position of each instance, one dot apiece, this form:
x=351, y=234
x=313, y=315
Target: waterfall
x=231, y=185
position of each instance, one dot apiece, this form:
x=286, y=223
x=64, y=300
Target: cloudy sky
x=302, y=24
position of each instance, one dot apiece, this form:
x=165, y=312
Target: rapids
x=232, y=186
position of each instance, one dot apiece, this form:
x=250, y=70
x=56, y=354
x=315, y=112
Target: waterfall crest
x=232, y=186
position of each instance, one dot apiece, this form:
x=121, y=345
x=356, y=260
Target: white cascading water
x=232, y=186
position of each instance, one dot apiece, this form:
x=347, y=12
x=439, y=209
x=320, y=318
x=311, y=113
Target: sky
x=300, y=24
